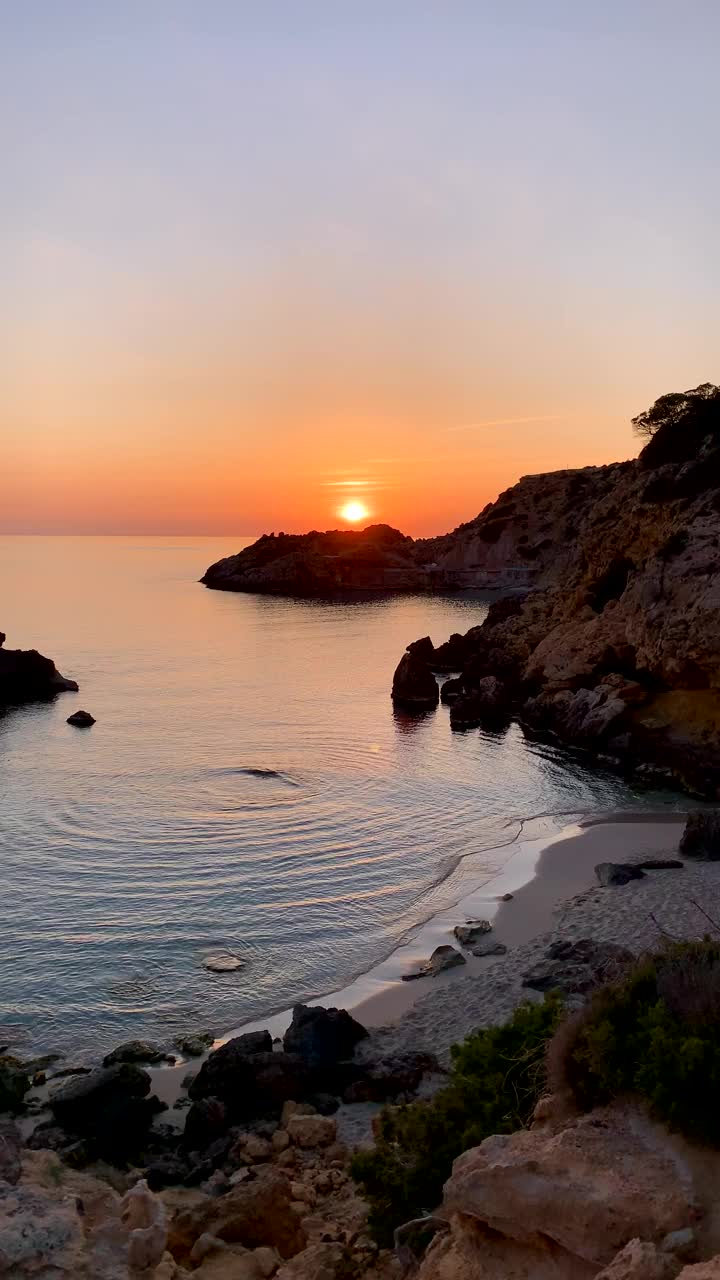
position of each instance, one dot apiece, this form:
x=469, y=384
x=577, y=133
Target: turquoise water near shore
x=247, y=786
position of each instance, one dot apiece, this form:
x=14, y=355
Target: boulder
x=255, y=1213
x=451, y=655
x=251, y=1080
x=451, y=690
x=445, y=957
x=617, y=873
x=472, y=932
x=14, y=1083
x=81, y=719
x=318, y=1262
x=610, y=1177
x=487, y=704
x=309, y=1132
x=414, y=686
x=423, y=649
x=206, y=1121
x=575, y=968
x=109, y=1106
x=701, y=837
x=10, y=1152
x=322, y=1037
x=135, y=1051
x=195, y=1044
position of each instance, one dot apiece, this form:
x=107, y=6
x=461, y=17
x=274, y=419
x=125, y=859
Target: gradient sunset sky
x=263, y=255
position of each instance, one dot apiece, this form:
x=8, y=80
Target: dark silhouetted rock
x=194, y=1045
x=661, y=864
x=10, y=1153
x=451, y=690
x=81, y=719
x=26, y=676
x=14, y=1083
x=322, y=1037
x=701, y=837
x=487, y=704
x=414, y=685
x=205, y=1122
x=423, y=649
x=451, y=655
x=252, y=1081
x=109, y=1106
x=135, y=1051
x=615, y=873
x=574, y=968
x=445, y=957
x=166, y=1171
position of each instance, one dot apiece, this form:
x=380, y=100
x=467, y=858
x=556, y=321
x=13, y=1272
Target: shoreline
x=548, y=876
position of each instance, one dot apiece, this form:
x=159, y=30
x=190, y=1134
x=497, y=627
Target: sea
x=248, y=791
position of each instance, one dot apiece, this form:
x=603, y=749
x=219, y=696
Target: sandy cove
x=563, y=901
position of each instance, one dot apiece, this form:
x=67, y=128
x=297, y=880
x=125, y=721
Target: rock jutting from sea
x=618, y=650
x=27, y=676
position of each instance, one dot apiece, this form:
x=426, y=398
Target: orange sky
x=256, y=265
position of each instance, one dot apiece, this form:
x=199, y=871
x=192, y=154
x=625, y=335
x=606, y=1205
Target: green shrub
x=495, y=1081
x=654, y=1033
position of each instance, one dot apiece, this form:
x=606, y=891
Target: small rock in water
x=82, y=719
x=507, y=897
x=194, y=1046
x=468, y=934
x=489, y=948
x=441, y=958
x=135, y=1051
x=223, y=962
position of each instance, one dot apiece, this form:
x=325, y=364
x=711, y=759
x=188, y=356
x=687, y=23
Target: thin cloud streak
x=506, y=422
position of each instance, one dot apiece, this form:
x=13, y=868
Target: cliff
x=619, y=652
x=27, y=676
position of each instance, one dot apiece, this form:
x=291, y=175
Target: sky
x=258, y=256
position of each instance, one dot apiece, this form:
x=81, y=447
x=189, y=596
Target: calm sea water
x=247, y=786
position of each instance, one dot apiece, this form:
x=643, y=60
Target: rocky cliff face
x=620, y=650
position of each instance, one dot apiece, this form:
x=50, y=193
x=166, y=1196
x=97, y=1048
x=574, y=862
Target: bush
x=655, y=1033
x=496, y=1079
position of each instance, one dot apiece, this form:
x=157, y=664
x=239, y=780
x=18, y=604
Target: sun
x=354, y=511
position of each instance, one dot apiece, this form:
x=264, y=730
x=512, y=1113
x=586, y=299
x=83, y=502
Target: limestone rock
x=444, y=957
x=606, y=1179
x=254, y=1214
x=640, y=1260
x=312, y=1131
x=81, y=719
x=488, y=704
x=317, y=1262
x=616, y=873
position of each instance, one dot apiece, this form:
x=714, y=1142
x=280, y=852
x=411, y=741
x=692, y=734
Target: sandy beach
x=555, y=895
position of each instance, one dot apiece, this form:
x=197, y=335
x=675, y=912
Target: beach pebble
x=441, y=958
x=469, y=933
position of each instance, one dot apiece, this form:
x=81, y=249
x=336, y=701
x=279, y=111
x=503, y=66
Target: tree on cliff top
x=677, y=424
x=677, y=407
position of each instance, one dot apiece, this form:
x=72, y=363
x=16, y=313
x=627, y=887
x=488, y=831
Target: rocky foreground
x=26, y=676
x=618, y=651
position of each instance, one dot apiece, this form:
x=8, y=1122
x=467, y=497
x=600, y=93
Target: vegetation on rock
x=655, y=1033
x=496, y=1079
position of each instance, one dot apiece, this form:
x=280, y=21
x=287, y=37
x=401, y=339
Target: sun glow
x=353, y=512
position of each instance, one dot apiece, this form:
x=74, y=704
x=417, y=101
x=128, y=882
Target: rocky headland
x=617, y=650
x=27, y=676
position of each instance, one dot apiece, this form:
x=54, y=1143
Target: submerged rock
x=223, y=962
x=194, y=1045
x=445, y=957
